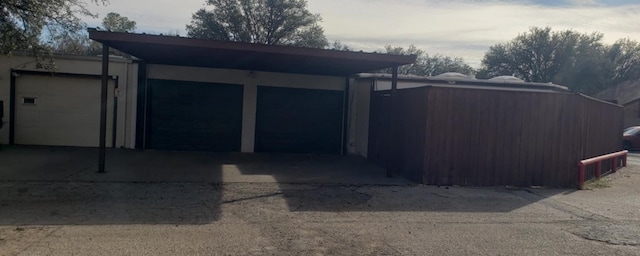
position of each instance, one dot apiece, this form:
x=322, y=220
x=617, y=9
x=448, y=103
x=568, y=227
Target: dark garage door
x=293, y=120
x=194, y=116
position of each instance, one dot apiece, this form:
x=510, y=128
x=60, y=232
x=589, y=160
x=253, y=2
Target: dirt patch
x=598, y=184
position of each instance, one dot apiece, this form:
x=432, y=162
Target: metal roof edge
x=112, y=58
x=461, y=81
x=488, y=87
x=108, y=36
x=598, y=100
x=630, y=102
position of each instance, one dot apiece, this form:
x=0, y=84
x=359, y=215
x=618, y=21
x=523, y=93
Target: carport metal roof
x=181, y=51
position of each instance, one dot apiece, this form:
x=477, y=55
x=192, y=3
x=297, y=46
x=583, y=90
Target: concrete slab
x=21, y=163
x=98, y=217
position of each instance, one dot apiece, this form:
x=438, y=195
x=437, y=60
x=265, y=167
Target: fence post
x=581, y=175
x=614, y=166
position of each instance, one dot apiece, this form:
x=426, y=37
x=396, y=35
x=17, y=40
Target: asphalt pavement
x=274, y=218
x=633, y=158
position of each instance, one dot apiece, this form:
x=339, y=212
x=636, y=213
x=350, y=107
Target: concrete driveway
x=20, y=163
x=81, y=215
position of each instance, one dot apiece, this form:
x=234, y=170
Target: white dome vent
x=452, y=76
x=506, y=79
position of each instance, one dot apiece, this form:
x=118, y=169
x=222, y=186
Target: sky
x=456, y=28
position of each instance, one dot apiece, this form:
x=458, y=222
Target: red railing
x=598, y=161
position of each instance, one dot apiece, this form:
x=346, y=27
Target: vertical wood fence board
x=473, y=137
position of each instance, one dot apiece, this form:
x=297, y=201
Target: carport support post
x=103, y=107
x=392, y=143
x=345, y=117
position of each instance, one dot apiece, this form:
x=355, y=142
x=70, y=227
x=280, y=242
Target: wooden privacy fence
x=480, y=137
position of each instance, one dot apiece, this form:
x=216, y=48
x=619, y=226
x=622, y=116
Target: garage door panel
x=293, y=120
x=66, y=111
x=195, y=116
x=52, y=137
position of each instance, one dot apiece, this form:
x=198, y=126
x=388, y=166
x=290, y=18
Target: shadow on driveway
x=60, y=186
x=73, y=203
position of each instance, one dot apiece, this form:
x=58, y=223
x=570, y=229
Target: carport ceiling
x=180, y=51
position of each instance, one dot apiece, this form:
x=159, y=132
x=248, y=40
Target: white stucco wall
x=124, y=70
x=360, y=93
x=250, y=80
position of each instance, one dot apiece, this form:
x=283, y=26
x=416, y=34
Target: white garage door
x=60, y=111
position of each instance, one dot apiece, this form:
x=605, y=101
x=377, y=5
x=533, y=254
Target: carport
x=288, y=120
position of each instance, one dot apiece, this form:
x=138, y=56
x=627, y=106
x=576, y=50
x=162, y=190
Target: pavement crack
x=251, y=198
x=76, y=173
x=560, y=206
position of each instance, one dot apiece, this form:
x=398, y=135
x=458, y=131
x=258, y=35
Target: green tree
x=429, y=65
x=339, y=46
x=623, y=61
x=411, y=69
x=542, y=55
x=73, y=43
x=277, y=22
x=24, y=22
x=118, y=23
x=78, y=42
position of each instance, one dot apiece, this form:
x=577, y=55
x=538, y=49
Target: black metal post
x=391, y=142
x=141, y=107
x=345, y=118
x=12, y=107
x=103, y=108
x=1, y=113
